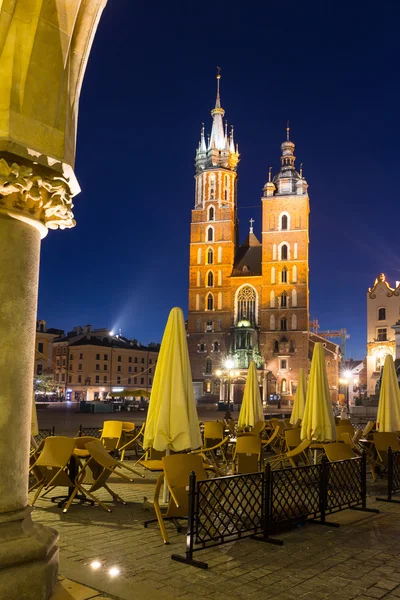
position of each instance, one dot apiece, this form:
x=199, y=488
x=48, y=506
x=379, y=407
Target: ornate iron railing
x=393, y=480
x=227, y=509
x=44, y=433
x=90, y=431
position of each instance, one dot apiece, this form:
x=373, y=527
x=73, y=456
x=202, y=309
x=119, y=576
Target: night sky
x=332, y=68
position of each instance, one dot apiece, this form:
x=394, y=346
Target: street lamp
x=229, y=373
x=345, y=382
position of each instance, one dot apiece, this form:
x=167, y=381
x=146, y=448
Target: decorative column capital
x=32, y=192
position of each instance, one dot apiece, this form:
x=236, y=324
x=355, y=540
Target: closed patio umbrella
x=172, y=422
x=299, y=399
x=318, y=422
x=251, y=411
x=388, y=417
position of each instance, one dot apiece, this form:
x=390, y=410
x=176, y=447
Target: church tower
x=213, y=238
x=285, y=294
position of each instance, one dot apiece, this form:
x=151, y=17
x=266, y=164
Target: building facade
x=383, y=312
x=44, y=348
x=249, y=301
x=88, y=365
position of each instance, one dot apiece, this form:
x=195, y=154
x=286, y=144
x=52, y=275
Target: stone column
x=38, y=115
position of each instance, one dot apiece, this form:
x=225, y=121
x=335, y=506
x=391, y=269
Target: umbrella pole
x=165, y=496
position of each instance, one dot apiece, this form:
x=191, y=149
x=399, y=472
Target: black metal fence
x=393, y=480
x=44, y=433
x=258, y=505
x=90, y=431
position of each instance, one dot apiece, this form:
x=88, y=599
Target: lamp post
x=229, y=373
x=345, y=383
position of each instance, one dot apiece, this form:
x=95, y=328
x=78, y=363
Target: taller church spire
x=217, y=132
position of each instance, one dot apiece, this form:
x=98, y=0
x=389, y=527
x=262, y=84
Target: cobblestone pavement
x=360, y=560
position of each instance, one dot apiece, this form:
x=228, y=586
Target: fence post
x=53, y=430
x=364, y=480
x=390, y=473
x=266, y=499
x=323, y=488
x=80, y=431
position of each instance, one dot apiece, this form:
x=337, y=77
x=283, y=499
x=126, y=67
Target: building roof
x=248, y=258
x=114, y=342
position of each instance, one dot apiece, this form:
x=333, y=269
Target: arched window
x=246, y=304
x=212, y=187
x=272, y=299
x=284, y=222
x=210, y=279
x=273, y=275
x=199, y=256
x=291, y=346
x=197, y=301
x=198, y=278
x=211, y=213
x=207, y=386
x=295, y=250
x=216, y=346
x=272, y=322
x=210, y=234
x=225, y=195
x=283, y=324
x=284, y=252
x=219, y=300
x=294, y=322
x=294, y=274
x=210, y=256
x=210, y=302
x=283, y=386
x=284, y=300
x=284, y=275
x=219, y=277
x=208, y=365
x=226, y=180
x=276, y=347
x=294, y=298
x=381, y=314
x=220, y=254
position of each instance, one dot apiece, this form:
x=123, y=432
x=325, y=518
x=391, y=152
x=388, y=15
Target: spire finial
x=218, y=102
x=301, y=170
x=226, y=128
x=251, y=221
x=269, y=174
x=287, y=130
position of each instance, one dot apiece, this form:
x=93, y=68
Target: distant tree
x=44, y=383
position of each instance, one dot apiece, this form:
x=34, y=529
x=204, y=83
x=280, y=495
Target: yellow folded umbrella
x=299, y=399
x=251, y=411
x=318, y=422
x=34, y=419
x=388, y=417
x=172, y=422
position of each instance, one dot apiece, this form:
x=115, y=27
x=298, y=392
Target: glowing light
x=347, y=374
x=111, y=333
x=95, y=564
x=218, y=373
x=229, y=364
x=114, y=571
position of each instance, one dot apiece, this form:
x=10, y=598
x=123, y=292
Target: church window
x=220, y=254
x=202, y=347
x=210, y=279
x=294, y=274
x=216, y=347
x=209, y=326
x=294, y=298
x=210, y=234
x=198, y=278
x=291, y=346
x=197, y=301
x=272, y=322
x=219, y=301
x=208, y=386
x=284, y=222
x=294, y=322
x=283, y=324
x=273, y=275
x=272, y=299
x=226, y=179
x=381, y=334
x=210, y=256
x=381, y=314
x=283, y=386
x=212, y=187
x=211, y=213
x=284, y=275
x=284, y=300
x=210, y=302
x=225, y=195
x=199, y=256
x=284, y=252
x=246, y=304
x=276, y=347
x=295, y=250
x=283, y=364
x=208, y=365
x=220, y=277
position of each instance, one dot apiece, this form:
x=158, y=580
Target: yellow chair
x=382, y=442
x=132, y=439
x=370, y=426
x=275, y=441
x=258, y=428
x=52, y=466
x=338, y=451
x=293, y=457
x=292, y=438
x=214, y=440
x=247, y=454
x=177, y=469
x=97, y=470
x=80, y=445
x=344, y=428
x=357, y=449
x=111, y=435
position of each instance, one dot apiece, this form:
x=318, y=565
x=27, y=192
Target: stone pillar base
x=28, y=557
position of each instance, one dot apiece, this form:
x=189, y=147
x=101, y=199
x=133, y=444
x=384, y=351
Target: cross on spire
x=251, y=221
